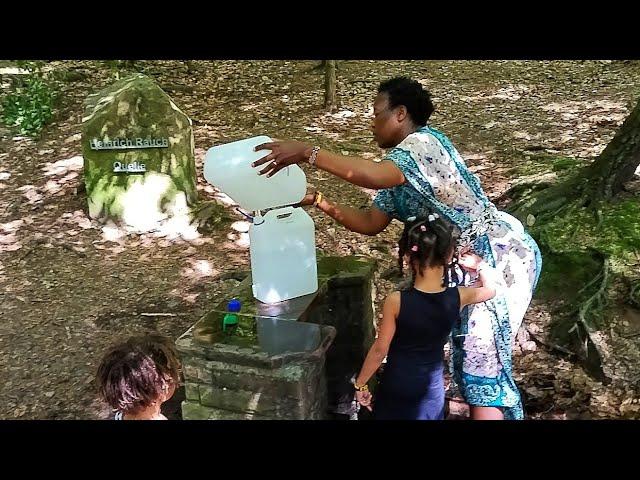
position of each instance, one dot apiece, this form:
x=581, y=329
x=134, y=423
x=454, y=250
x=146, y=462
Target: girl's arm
x=380, y=347
x=487, y=283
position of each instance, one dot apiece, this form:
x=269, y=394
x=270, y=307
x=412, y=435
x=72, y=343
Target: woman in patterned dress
x=423, y=173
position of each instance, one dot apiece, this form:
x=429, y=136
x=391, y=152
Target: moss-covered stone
x=191, y=391
x=235, y=377
x=251, y=401
x=339, y=270
x=345, y=266
x=196, y=411
x=137, y=108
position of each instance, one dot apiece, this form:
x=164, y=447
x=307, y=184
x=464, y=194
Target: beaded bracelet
x=317, y=199
x=314, y=154
x=361, y=388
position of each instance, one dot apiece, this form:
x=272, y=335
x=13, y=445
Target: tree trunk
x=330, y=100
x=599, y=181
x=619, y=160
x=578, y=224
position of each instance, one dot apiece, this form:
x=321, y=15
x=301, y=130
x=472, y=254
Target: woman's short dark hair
x=407, y=92
x=135, y=374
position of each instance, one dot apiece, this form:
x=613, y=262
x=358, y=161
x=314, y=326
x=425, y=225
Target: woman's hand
x=283, y=154
x=470, y=261
x=364, y=399
x=309, y=198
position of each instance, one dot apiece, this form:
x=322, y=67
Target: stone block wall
x=232, y=382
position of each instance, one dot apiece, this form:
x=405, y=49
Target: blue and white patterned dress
x=437, y=180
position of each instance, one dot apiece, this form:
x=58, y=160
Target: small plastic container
x=230, y=320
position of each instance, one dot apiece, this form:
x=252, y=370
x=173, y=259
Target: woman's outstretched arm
x=355, y=170
x=370, y=221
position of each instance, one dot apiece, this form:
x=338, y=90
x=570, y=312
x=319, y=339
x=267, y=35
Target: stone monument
x=138, y=150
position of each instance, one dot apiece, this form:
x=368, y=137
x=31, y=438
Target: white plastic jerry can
x=282, y=242
x=283, y=255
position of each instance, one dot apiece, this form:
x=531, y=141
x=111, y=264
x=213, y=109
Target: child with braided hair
x=417, y=322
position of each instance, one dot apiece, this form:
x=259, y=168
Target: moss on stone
x=208, y=329
x=332, y=266
x=136, y=107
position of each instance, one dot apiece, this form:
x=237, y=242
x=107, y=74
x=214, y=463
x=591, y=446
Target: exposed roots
x=589, y=310
x=634, y=294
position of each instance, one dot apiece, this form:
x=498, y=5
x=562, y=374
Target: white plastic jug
x=283, y=255
x=282, y=242
x=228, y=167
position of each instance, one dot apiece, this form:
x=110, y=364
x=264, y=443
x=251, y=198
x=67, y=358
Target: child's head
x=427, y=242
x=138, y=373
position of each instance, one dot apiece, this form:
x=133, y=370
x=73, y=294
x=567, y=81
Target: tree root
x=548, y=202
x=599, y=298
x=551, y=346
x=634, y=294
x=595, y=302
x=520, y=190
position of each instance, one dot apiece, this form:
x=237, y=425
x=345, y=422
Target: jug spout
x=258, y=219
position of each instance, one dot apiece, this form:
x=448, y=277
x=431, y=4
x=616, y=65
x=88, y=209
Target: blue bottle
x=230, y=320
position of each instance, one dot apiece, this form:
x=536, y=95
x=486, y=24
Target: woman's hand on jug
x=309, y=197
x=283, y=154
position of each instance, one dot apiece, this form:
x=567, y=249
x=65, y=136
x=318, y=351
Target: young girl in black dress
x=417, y=322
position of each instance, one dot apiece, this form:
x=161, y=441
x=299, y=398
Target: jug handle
x=249, y=217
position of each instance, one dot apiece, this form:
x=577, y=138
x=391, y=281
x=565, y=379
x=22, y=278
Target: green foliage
x=30, y=106
x=561, y=164
x=614, y=230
